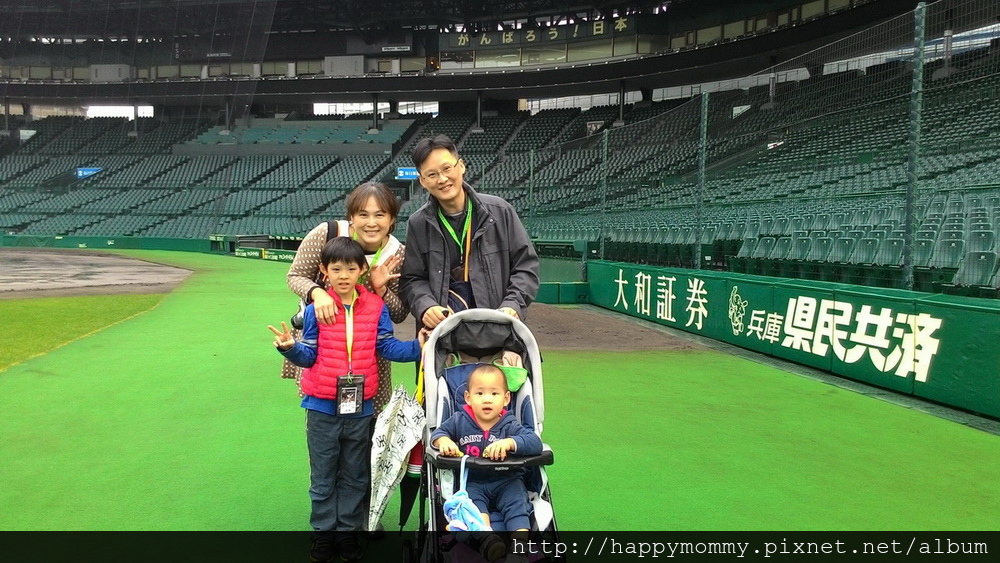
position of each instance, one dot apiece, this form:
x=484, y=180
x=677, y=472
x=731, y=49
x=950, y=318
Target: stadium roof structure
x=145, y=18
x=164, y=17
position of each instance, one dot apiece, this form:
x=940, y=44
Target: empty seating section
x=297, y=203
x=76, y=137
x=174, y=203
x=281, y=132
x=139, y=173
x=15, y=165
x=244, y=172
x=109, y=166
x=541, y=130
x=495, y=132
x=586, y=123
x=806, y=180
x=475, y=164
x=347, y=172
x=515, y=170
x=194, y=171
x=294, y=172
x=45, y=131
x=160, y=139
x=199, y=226
x=35, y=176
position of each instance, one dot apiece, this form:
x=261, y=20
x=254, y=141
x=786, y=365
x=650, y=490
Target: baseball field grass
x=166, y=412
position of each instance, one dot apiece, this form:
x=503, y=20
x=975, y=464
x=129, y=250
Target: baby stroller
x=453, y=350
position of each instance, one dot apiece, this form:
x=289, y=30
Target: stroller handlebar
x=434, y=457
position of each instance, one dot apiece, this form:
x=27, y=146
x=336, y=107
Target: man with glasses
x=463, y=249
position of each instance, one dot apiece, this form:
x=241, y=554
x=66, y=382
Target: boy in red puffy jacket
x=339, y=383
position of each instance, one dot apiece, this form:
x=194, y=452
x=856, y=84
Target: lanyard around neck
x=465, y=243
x=372, y=263
x=349, y=330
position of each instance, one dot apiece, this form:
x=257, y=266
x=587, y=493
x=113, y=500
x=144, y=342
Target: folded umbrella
x=397, y=430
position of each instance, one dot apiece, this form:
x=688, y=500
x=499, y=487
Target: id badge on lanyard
x=350, y=393
x=351, y=386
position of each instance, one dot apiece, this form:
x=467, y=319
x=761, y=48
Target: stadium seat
x=887, y=264
x=772, y=264
x=941, y=267
x=755, y=264
x=834, y=267
x=979, y=241
x=859, y=268
x=738, y=263
x=975, y=272
x=819, y=250
x=792, y=266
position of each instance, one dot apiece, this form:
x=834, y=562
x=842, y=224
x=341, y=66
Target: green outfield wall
x=938, y=347
x=108, y=243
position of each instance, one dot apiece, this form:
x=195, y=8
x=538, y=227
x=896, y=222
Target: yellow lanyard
x=349, y=329
x=465, y=243
x=372, y=263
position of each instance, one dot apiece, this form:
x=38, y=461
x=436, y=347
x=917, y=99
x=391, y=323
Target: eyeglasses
x=446, y=170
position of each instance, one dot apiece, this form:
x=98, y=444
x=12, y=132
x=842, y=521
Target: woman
x=371, y=217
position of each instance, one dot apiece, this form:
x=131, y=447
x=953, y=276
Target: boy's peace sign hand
x=282, y=338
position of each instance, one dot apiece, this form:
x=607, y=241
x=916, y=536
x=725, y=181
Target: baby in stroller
x=485, y=428
x=501, y=442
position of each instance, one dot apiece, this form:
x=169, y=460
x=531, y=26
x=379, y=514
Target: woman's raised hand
x=380, y=274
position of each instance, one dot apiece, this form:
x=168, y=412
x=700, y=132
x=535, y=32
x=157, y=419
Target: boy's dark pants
x=339, y=471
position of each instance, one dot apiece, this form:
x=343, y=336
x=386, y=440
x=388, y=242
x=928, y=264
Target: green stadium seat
x=755, y=264
x=979, y=241
x=886, y=265
x=819, y=250
x=923, y=249
x=859, y=270
x=794, y=261
x=833, y=268
x=738, y=263
x=941, y=267
x=975, y=272
x=772, y=264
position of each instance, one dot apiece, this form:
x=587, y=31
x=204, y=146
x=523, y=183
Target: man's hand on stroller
x=497, y=451
x=509, y=311
x=447, y=447
x=434, y=315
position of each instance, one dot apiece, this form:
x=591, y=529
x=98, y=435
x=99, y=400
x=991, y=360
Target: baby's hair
x=343, y=249
x=484, y=369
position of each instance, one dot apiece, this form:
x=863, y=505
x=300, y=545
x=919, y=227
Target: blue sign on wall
x=82, y=172
x=406, y=173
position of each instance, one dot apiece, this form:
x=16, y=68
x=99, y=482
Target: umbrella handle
x=462, y=473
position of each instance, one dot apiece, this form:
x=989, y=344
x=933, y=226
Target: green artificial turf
x=176, y=419
x=30, y=328
x=701, y=440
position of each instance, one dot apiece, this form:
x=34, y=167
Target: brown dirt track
x=38, y=272
x=30, y=272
